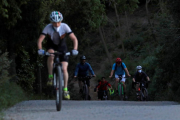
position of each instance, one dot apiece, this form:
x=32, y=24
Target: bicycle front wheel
x=59, y=77
x=120, y=91
x=85, y=92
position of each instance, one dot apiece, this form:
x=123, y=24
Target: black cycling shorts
x=59, y=48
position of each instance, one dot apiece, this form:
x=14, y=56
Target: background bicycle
x=85, y=92
x=142, y=93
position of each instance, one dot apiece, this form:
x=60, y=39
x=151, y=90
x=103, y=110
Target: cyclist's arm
x=147, y=78
x=111, y=74
x=76, y=71
x=127, y=72
x=109, y=85
x=133, y=79
x=75, y=41
x=40, y=40
x=91, y=70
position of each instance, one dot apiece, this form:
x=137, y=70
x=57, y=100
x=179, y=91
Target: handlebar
x=86, y=77
x=142, y=82
x=58, y=53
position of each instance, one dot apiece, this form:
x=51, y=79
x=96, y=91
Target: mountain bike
x=142, y=93
x=58, y=77
x=85, y=92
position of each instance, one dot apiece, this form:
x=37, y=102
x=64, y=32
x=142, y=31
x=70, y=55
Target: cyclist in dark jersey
x=82, y=70
x=56, y=32
x=139, y=76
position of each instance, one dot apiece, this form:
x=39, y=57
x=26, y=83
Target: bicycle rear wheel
x=145, y=92
x=120, y=91
x=59, y=78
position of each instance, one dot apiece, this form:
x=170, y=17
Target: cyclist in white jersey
x=56, y=32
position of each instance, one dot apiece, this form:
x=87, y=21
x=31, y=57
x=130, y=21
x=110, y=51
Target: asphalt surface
x=94, y=110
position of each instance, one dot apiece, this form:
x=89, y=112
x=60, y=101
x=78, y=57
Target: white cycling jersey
x=61, y=32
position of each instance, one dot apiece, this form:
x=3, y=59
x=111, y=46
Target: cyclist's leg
x=116, y=82
x=66, y=76
x=50, y=62
x=124, y=85
x=51, y=47
x=99, y=95
x=123, y=81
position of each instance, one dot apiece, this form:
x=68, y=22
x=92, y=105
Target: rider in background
x=56, y=32
x=140, y=76
x=119, y=68
x=82, y=70
x=102, y=87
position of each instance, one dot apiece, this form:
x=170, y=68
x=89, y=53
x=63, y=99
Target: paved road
x=94, y=110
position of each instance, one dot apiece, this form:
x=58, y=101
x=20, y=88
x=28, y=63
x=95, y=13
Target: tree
x=122, y=6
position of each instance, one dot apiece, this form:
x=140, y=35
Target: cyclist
x=56, y=32
x=119, y=68
x=140, y=76
x=102, y=87
x=82, y=70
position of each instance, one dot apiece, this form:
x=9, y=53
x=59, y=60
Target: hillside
x=95, y=51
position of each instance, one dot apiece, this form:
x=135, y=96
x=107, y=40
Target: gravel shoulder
x=93, y=110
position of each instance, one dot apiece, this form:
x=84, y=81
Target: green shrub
x=11, y=94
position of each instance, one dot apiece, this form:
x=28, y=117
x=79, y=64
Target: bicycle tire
x=54, y=76
x=85, y=92
x=145, y=92
x=58, y=88
x=120, y=91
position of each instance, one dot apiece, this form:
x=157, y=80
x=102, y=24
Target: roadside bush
x=10, y=92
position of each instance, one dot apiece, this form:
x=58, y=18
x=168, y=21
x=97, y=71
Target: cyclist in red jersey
x=102, y=86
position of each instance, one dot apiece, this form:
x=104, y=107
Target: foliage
x=173, y=7
x=25, y=73
x=4, y=66
x=11, y=94
x=10, y=11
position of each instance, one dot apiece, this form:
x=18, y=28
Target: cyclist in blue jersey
x=56, y=31
x=119, y=68
x=82, y=70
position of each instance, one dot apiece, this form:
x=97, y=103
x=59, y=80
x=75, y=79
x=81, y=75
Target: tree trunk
x=147, y=12
x=149, y=21
x=127, y=22
x=105, y=46
x=117, y=16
